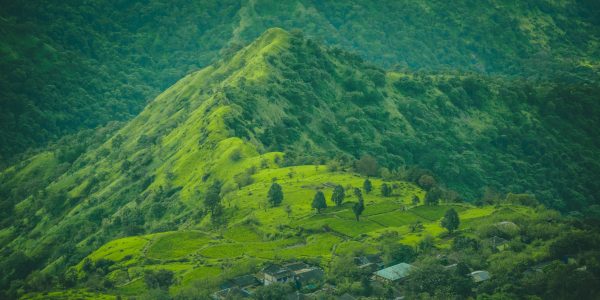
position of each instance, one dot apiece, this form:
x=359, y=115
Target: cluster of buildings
x=310, y=278
x=300, y=274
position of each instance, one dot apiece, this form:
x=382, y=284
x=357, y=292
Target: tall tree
x=212, y=199
x=358, y=193
x=358, y=208
x=386, y=191
x=433, y=196
x=319, y=201
x=275, y=194
x=451, y=220
x=367, y=165
x=416, y=200
x=367, y=186
x=338, y=195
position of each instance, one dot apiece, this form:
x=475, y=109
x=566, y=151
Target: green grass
x=242, y=234
x=397, y=218
x=434, y=212
x=133, y=288
x=224, y=251
x=201, y=272
x=119, y=249
x=256, y=233
x=177, y=244
x=69, y=294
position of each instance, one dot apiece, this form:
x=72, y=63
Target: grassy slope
x=103, y=61
x=191, y=143
x=226, y=252
x=184, y=140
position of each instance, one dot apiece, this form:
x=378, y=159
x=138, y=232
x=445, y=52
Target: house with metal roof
x=277, y=274
x=479, y=276
x=394, y=273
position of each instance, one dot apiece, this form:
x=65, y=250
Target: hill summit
x=284, y=100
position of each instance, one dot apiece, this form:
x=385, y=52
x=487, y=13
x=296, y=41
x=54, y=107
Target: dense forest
x=156, y=150
x=72, y=65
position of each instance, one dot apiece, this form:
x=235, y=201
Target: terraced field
x=257, y=233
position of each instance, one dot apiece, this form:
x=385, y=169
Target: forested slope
x=74, y=65
x=285, y=100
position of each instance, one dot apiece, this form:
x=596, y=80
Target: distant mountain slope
x=285, y=100
x=69, y=65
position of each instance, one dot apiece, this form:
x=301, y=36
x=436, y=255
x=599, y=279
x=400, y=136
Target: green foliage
x=212, y=199
x=161, y=169
x=161, y=279
x=367, y=165
x=272, y=292
x=358, y=207
x=367, y=186
x=431, y=278
x=451, y=220
x=426, y=181
x=319, y=202
x=338, y=195
x=415, y=200
x=386, y=190
x=433, y=196
x=275, y=194
x=395, y=253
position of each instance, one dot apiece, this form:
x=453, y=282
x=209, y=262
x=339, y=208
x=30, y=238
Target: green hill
x=280, y=109
x=68, y=66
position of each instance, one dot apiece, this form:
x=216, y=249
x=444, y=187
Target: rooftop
x=395, y=272
x=479, y=276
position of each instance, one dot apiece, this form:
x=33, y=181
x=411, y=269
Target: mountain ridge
x=283, y=101
x=115, y=57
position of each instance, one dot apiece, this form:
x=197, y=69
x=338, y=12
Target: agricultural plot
x=177, y=244
x=257, y=232
x=121, y=249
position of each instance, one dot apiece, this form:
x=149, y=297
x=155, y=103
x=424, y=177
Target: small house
x=370, y=263
x=497, y=243
x=394, y=273
x=479, y=276
x=276, y=273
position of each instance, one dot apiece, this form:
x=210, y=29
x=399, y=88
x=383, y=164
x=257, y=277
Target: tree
x=319, y=201
x=433, y=279
x=159, y=279
x=212, y=199
x=427, y=182
x=367, y=165
x=272, y=292
x=338, y=195
x=433, y=196
x=416, y=226
x=426, y=244
x=275, y=194
x=359, y=206
x=451, y=220
x=358, y=193
x=243, y=179
x=367, y=186
x=416, y=200
x=386, y=191
x=394, y=253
